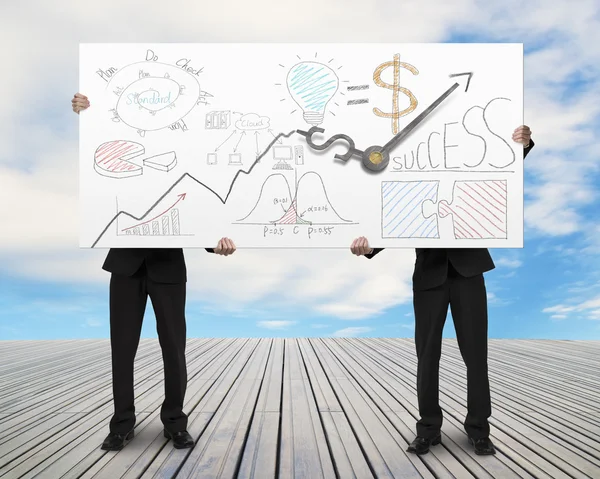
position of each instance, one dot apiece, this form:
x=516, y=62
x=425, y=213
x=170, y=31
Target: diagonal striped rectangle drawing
x=478, y=209
x=402, y=209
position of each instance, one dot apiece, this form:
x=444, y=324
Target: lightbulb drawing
x=312, y=85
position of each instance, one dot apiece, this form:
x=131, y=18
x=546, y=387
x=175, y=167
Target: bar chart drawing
x=169, y=222
x=166, y=223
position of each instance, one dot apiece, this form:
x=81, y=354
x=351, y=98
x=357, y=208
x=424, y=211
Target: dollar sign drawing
x=396, y=89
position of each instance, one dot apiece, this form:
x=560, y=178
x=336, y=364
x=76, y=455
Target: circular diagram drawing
x=153, y=95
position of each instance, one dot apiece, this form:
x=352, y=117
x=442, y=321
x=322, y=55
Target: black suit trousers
x=467, y=299
x=128, y=299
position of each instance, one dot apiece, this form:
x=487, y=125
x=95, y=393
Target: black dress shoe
x=483, y=446
x=181, y=439
x=421, y=445
x=115, y=441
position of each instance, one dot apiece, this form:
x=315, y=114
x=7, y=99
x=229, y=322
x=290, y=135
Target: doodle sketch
x=312, y=85
x=152, y=95
x=165, y=223
x=122, y=159
x=301, y=145
x=478, y=209
x=402, y=209
x=308, y=204
x=396, y=64
x=112, y=159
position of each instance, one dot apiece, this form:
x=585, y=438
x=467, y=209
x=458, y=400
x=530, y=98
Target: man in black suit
x=136, y=274
x=452, y=277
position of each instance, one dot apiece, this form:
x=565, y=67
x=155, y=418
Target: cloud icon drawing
x=251, y=121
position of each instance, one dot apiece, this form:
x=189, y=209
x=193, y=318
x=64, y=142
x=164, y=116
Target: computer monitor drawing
x=235, y=159
x=282, y=153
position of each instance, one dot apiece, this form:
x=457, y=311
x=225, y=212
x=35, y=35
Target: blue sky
x=50, y=289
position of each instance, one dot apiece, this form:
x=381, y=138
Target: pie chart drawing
x=153, y=95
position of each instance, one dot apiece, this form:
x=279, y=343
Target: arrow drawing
x=461, y=74
x=179, y=198
x=238, y=143
x=217, y=148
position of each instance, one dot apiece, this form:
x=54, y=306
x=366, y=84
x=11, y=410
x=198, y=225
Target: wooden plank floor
x=299, y=408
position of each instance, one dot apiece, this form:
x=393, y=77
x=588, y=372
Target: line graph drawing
x=165, y=223
x=478, y=209
x=276, y=205
x=247, y=94
x=152, y=95
x=187, y=175
x=402, y=213
x=312, y=85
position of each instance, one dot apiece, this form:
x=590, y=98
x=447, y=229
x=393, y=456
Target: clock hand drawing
x=376, y=158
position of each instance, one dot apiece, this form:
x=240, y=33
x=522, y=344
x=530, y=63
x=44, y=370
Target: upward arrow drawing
x=461, y=74
x=223, y=200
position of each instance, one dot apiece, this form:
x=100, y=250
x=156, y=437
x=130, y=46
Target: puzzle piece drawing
x=478, y=209
x=402, y=209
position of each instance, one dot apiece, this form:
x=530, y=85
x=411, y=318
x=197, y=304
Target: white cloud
x=351, y=331
x=559, y=309
x=93, y=323
x=275, y=324
x=588, y=309
x=38, y=134
x=251, y=121
x=494, y=300
x=508, y=262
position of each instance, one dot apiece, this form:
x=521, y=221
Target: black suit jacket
x=431, y=265
x=164, y=265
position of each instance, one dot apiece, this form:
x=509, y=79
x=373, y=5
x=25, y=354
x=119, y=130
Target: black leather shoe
x=115, y=441
x=181, y=439
x=421, y=445
x=483, y=446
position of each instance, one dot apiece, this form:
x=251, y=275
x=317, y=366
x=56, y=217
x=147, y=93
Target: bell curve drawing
x=309, y=204
x=296, y=145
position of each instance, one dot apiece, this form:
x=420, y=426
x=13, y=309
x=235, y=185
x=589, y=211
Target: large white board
x=186, y=143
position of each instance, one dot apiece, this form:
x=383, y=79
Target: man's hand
x=522, y=135
x=225, y=247
x=80, y=102
x=360, y=246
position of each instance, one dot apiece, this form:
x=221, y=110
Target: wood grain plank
x=303, y=449
x=214, y=402
x=345, y=448
x=349, y=407
x=259, y=458
x=453, y=403
x=383, y=446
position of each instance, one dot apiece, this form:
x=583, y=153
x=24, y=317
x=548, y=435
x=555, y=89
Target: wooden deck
x=298, y=408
